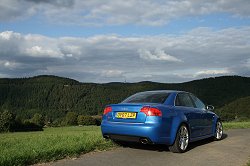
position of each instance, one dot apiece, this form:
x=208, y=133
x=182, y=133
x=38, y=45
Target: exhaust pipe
x=144, y=141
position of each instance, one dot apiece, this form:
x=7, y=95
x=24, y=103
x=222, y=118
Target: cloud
x=198, y=53
x=248, y=63
x=119, y=12
x=8, y=35
x=60, y=3
x=212, y=72
x=8, y=64
x=38, y=51
x=112, y=73
x=158, y=55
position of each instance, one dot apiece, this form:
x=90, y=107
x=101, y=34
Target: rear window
x=147, y=97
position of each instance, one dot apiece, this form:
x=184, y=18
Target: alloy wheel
x=184, y=138
x=219, y=130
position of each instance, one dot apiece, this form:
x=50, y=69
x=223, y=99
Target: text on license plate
x=128, y=115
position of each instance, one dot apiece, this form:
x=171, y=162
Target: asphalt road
x=233, y=150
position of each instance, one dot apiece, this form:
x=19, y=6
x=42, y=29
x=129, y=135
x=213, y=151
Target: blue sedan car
x=174, y=118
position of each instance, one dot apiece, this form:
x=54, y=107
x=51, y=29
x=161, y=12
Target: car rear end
x=136, y=122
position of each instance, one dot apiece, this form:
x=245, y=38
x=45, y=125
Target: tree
x=6, y=119
x=71, y=118
x=85, y=120
x=37, y=119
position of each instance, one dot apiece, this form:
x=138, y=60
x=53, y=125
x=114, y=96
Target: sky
x=134, y=40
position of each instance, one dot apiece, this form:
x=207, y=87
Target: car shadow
x=162, y=148
x=193, y=145
x=149, y=147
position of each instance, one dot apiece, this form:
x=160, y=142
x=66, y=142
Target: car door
x=206, y=116
x=185, y=104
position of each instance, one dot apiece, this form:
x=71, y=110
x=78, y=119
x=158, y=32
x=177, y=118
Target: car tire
x=181, y=141
x=218, y=131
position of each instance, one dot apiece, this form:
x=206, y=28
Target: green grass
x=22, y=148
x=236, y=125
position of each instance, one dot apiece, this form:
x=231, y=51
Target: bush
x=85, y=120
x=6, y=120
x=9, y=122
x=98, y=120
x=58, y=122
x=37, y=119
x=26, y=126
x=70, y=119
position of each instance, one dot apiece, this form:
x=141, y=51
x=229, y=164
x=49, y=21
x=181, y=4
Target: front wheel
x=181, y=140
x=218, y=131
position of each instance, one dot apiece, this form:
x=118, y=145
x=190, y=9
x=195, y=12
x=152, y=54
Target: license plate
x=126, y=115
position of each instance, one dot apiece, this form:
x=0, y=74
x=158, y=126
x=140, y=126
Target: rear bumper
x=134, y=131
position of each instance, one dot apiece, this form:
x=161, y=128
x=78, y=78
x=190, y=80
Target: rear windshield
x=147, y=97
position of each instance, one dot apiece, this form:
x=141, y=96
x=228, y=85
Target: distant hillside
x=236, y=110
x=39, y=79
x=55, y=96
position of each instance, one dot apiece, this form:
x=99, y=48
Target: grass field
x=236, y=125
x=22, y=148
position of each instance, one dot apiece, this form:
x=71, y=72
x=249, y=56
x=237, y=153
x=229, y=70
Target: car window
x=198, y=103
x=183, y=99
x=147, y=97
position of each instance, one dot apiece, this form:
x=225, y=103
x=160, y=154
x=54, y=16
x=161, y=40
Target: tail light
x=107, y=110
x=151, y=111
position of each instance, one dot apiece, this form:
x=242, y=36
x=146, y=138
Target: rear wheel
x=181, y=140
x=218, y=131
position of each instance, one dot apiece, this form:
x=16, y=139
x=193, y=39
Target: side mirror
x=210, y=107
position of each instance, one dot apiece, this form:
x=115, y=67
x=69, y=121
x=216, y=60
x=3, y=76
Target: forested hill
x=238, y=109
x=55, y=96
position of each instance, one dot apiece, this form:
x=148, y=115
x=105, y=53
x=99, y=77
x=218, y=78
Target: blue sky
x=134, y=40
x=38, y=25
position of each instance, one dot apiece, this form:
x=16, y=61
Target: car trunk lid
x=127, y=113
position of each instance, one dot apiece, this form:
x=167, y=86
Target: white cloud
x=118, y=12
x=213, y=72
x=38, y=51
x=8, y=64
x=8, y=35
x=157, y=55
x=104, y=58
x=15, y=9
x=112, y=73
x=71, y=50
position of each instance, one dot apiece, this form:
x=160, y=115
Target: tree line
x=11, y=122
x=54, y=97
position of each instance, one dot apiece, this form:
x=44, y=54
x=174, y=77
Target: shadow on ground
x=203, y=142
x=162, y=148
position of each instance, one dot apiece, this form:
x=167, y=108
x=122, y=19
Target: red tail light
x=151, y=111
x=107, y=110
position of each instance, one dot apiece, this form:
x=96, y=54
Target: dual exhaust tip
x=142, y=140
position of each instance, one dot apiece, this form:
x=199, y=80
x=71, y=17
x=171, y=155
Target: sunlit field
x=22, y=148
